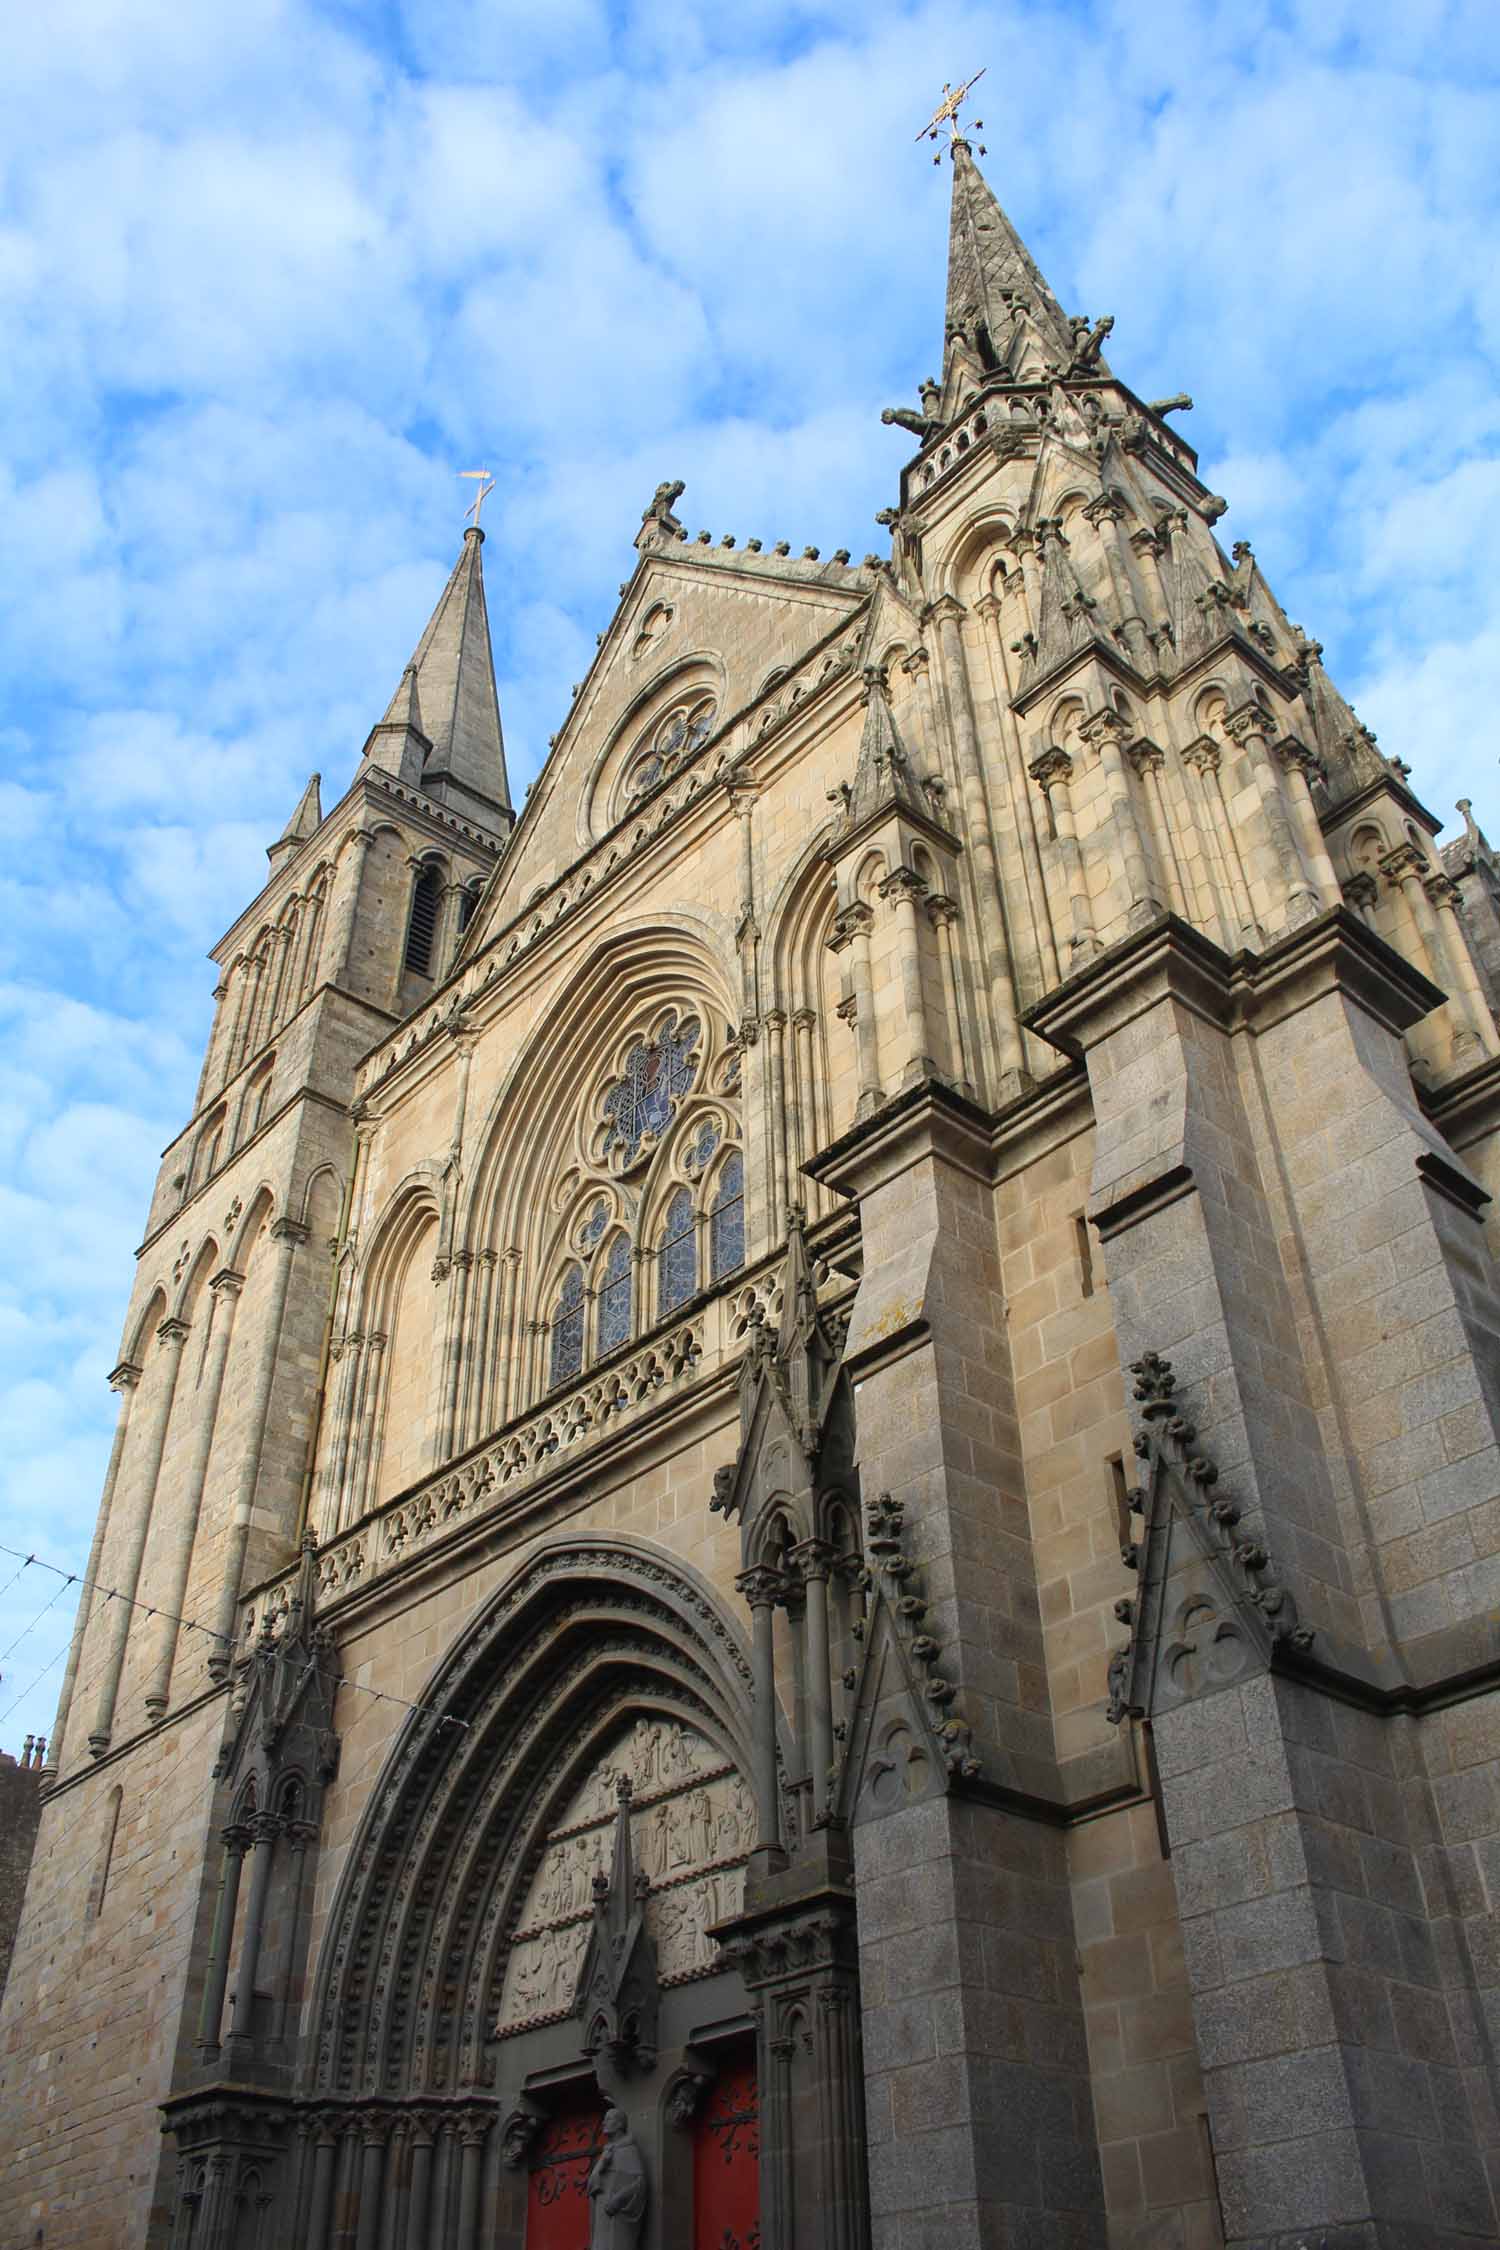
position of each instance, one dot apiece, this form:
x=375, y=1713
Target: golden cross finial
x=947, y=110
x=485, y=484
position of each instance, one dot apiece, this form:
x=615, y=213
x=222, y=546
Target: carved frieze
x=692, y=1823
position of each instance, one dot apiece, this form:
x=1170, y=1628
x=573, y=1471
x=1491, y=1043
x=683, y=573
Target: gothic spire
x=447, y=698
x=1000, y=311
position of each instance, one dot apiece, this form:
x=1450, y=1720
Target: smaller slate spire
x=441, y=730
x=304, y=821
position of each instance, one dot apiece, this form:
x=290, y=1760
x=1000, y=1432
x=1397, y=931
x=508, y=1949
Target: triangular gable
x=1210, y=1607
x=716, y=621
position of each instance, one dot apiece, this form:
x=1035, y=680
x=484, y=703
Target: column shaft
x=123, y=1381
x=211, y=2016
x=173, y=1335
x=225, y=1288
x=285, y=1234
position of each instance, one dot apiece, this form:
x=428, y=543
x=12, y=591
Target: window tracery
x=684, y=729
x=657, y=1180
x=657, y=1073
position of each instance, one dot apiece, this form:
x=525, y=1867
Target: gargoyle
x=907, y=418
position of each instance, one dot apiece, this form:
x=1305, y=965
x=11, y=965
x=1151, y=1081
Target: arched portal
x=598, y=1707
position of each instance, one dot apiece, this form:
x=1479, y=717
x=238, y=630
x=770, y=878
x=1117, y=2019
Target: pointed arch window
x=567, y=1329
x=614, y=1295
x=677, y=1255
x=726, y=1219
x=421, y=928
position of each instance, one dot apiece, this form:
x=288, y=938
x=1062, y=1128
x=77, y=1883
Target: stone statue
x=617, y=2188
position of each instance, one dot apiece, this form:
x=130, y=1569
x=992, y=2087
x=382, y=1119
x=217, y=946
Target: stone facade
x=809, y=1446
x=20, y=1811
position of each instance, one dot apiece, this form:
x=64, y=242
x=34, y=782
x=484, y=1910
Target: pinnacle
x=307, y=817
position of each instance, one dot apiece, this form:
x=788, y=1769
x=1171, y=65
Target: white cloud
x=271, y=276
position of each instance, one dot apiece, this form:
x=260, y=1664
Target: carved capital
x=946, y=610
x=917, y=663
x=814, y=1558
x=763, y=1587
x=1203, y=755
x=1249, y=723
x=1295, y=757
x=125, y=1376
x=1441, y=889
x=851, y=922
x=174, y=1332
x=1146, y=757
x=1109, y=507
x=804, y=1019
x=1361, y=890
x=942, y=911
x=1101, y=727
x=226, y=1283
x=903, y=883
x=1050, y=767
x=1405, y=864
x=289, y=1232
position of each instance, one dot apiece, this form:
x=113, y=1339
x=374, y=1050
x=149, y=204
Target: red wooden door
x=726, y=2159
x=562, y=2156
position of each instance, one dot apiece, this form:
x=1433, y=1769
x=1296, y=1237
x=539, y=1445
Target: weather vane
x=486, y=485
x=946, y=113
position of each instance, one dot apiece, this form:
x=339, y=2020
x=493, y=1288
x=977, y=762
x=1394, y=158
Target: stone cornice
x=1171, y=959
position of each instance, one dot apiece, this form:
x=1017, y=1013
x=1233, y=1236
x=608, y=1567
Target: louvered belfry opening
x=421, y=930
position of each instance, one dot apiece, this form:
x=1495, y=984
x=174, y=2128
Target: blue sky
x=271, y=275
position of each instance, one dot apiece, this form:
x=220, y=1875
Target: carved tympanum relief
x=692, y=1825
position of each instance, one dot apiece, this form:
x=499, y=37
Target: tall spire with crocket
x=442, y=729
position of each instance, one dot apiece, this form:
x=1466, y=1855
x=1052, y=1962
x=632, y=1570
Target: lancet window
x=677, y=1254
x=567, y=1328
x=615, y=1295
x=726, y=1219
x=421, y=928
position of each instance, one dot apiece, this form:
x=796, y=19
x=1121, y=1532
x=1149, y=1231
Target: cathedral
x=803, y=1543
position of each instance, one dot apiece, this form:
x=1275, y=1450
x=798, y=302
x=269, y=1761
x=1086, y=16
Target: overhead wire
x=86, y=1584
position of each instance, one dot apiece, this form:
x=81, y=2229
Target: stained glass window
x=594, y=1224
x=567, y=1327
x=726, y=1219
x=657, y=1073
x=614, y=1296
x=677, y=1257
x=704, y=1142
x=679, y=735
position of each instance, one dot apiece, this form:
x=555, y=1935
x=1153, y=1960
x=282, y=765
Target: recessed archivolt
x=409, y=1213
x=534, y=1125
x=585, y=1635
